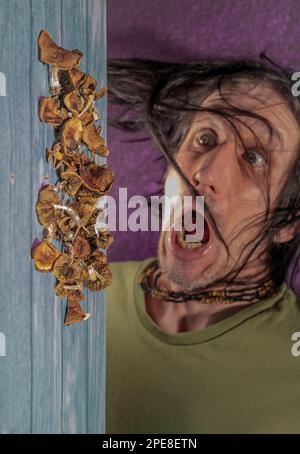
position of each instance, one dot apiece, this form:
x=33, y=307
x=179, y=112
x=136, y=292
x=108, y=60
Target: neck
x=191, y=315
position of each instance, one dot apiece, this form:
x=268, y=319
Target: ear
x=287, y=233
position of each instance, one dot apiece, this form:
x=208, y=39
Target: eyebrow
x=218, y=109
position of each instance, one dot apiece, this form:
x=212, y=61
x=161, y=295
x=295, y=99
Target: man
x=199, y=339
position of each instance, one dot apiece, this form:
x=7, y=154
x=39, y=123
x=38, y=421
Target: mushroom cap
x=73, y=102
x=84, y=209
x=63, y=113
x=86, y=196
x=52, y=54
x=44, y=256
x=96, y=257
x=73, y=181
x=104, y=239
x=74, y=312
x=66, y=270
x=73, y=290
x=70, y=79
x=49, y=111
x=88, y=85
x=93, y=140
x=44, y=206
x=70, y=133
x=87, y=118
x=98, y=277
x=96, y=178
x=81, y=248
x=55, y=154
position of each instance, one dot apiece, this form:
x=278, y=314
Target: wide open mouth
x=184, y=238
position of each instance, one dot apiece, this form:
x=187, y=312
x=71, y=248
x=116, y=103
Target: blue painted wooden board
x=52, y=378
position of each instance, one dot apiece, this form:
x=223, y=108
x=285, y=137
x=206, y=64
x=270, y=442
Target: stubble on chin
x=176, y=272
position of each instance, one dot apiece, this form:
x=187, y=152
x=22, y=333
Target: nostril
x=212, y=188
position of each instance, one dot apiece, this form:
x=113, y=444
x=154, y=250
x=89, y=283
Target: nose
x=216, y=172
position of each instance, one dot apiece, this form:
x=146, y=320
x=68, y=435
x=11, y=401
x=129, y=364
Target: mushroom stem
x=77, y=231
x=61, y=163
x=92, y=271
x=71, y=249
x=50, y=232
x=54, y=84
x=88, y=105
x=73, y=287
x=96, y=114
x=72, y=213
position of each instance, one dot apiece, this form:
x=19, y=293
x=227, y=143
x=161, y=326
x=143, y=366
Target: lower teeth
x=187, y=244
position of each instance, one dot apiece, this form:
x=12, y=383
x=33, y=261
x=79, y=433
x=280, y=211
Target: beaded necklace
x=253, y=294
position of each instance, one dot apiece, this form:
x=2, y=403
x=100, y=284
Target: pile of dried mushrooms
x=67, y=209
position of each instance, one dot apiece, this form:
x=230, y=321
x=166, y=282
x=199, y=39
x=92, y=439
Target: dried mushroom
x=68, y=209
x=64, y=226
x=71, y=79
x=81, y=248
x=70, y=133
x=97, y=178
x=52, y=54
x=92, y=138
x=55, y=154
x=84, y=209
x=73, y=181
x=45, y=206
x=88, y=85
x=86, y=196
x=96, y=257
x=74, y=312
x=87, y=117
x=49, y=111
x=73, y=102
x=44, y=256
x=66, y=270
x=99, y=276
x=73, y=290
x=104, y=239
x=102, y=92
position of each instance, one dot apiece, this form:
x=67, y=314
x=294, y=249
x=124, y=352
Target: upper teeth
x=187, y=244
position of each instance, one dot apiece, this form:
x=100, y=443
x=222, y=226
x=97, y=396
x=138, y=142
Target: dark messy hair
x=161, y=98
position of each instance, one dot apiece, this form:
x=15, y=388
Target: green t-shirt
x=236, y=376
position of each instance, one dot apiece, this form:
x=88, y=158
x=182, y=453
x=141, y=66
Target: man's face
x=236, y=183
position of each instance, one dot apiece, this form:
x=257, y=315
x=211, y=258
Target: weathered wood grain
x=47, y=365
x=96, y=61
x=15, y=225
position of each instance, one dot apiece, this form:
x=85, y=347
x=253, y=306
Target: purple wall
x=185, y=30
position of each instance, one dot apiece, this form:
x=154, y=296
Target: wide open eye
x=255, y=158
x=207, y=139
